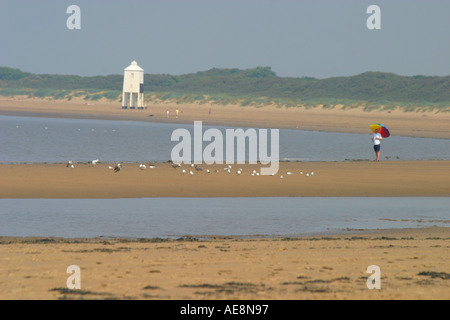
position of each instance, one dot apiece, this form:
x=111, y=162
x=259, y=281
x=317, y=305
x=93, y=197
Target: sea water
x=178, y=217
x=53, y=140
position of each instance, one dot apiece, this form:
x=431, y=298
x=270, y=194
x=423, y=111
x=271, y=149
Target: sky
x=296, y=38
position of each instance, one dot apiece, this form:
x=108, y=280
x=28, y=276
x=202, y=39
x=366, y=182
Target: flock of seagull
x=193, y=167
x=239, y=171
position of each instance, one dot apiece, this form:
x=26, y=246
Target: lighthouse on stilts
x=133, y=87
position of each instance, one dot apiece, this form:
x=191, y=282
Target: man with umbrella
x=379, y=132
x=376, y=138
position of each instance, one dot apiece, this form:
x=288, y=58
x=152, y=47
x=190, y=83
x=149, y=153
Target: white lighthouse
x=133, y=86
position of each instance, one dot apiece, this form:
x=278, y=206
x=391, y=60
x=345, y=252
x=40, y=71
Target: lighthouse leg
x=124, y=101
x=132, y=100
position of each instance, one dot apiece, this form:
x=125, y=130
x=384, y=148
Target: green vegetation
x=253, y=87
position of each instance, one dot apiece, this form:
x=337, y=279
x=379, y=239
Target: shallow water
x=177, y=217
x=34, y=140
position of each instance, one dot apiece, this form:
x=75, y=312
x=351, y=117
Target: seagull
x=183, y=171
x=207, y=170
x=94, y=162
x=151, y=167
x=307, y=174
x=69, y=163
x=175, y=165
x=118, y=167
x=109, y=167
x=281, y=177
x=192, y=165
x=191, y=173
x=289, y=172
x=142, y=166
x=239, y=172
x=312, y=173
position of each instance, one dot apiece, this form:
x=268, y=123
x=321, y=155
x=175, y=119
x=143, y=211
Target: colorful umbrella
x=381, y=129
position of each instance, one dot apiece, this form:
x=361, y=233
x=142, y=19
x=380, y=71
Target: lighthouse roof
x=133, y=67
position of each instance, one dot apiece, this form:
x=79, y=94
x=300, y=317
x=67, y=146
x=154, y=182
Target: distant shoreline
x=400, y=123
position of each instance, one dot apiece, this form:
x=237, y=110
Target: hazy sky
x=295, y=37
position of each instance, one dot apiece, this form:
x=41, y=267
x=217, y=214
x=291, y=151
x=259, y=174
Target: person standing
x=376, y=139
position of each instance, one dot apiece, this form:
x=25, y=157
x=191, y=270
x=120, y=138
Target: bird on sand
x=117, y=168
x=142, y=166
x=69, y=163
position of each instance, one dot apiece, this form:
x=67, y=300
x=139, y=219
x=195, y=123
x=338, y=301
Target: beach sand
x=353, y=178
x=430, y=124
x=413, y=265
x=413, y=262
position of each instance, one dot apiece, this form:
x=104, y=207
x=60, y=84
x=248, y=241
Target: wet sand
x=414, y=264
x=357, y=178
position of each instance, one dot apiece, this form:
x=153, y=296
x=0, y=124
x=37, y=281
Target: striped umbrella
x=381, y=129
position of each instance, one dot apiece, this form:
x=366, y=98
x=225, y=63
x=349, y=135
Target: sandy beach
x=413, y=262
x=356, y=178
x=430, y=124
x=413, y=265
